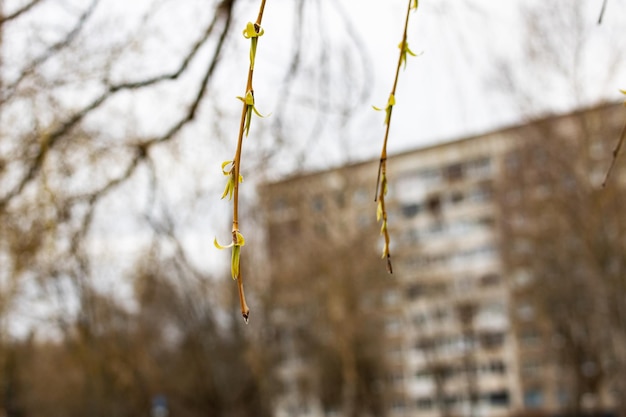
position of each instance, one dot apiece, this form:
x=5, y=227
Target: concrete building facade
x=457, y=342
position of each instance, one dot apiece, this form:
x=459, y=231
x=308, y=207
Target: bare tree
x=559, y=226
x=324, y=302
x=90, y=162
x=565, y=60
x=563, y=239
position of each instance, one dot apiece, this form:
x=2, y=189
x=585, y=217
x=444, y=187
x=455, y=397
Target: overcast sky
x=457, y=86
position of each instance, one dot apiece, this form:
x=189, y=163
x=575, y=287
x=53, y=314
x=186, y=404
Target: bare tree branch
x=50, y=52
x=615, y=154
x=602, y=12
x=224, y=12
x=17, y=13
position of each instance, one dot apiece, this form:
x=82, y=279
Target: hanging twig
x=602, y=12
x=232, y=169
x=381, y=180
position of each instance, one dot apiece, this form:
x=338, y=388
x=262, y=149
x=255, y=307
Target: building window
x=497, y=367
x=398, y=405
x=410, y=210
x=530, y=338
x=430, y=176
x=317, y=205
x=454, y=172
x=564, y=398
x=533, y=398
x=531, y=368
x=425, y=344
x=332, y=413
x=396, y=379
x=437, y=289
x=321, y=229
x=492, y=340
x=490, y=280
x=463, y=285
x=279, y=205
x=494, y=309
x=419, y=319
x=525, y=312
x=424, y=403
x=456, y=197
x=512, y=162
x=436, y=228
x=392, y=326
x=498, y=398
x=391, y=297
x=414, y=291
x=451, y=400
x=440, y=314
x=486, y=222
x=512, y=197
x=410, y=236
x=481, y=193
x=540, y=156
x=423, y=374
x=433, y=203
x=522, y=277
x=480, y=167
x=340, y=199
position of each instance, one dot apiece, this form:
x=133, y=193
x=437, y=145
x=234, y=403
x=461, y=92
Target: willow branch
x=383, y=155
x=245, y=113
x=381, y=179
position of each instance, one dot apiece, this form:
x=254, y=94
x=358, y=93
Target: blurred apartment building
x=461, y=339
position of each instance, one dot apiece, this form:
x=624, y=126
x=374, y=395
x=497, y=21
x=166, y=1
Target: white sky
x=448, y=92
x=451, y=90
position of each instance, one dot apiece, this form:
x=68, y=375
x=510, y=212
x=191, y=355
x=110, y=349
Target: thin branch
x=53, y=49
x=167, y=229
x=245, y=113
x=64, y=128
x=359, y=45
x=383, y=156
x=602, y=12
x=95, y=196
x=142, y=148
x=17, y=13
x=320, y=103
x=286, y=90
x=616, y=151
x=381, y=180
x=213, y=62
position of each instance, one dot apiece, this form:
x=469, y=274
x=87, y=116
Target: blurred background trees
x=562, y=232
x=108, y=203
x=326, y=306
x=563, y=243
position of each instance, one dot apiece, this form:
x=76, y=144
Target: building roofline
x=452, y=142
